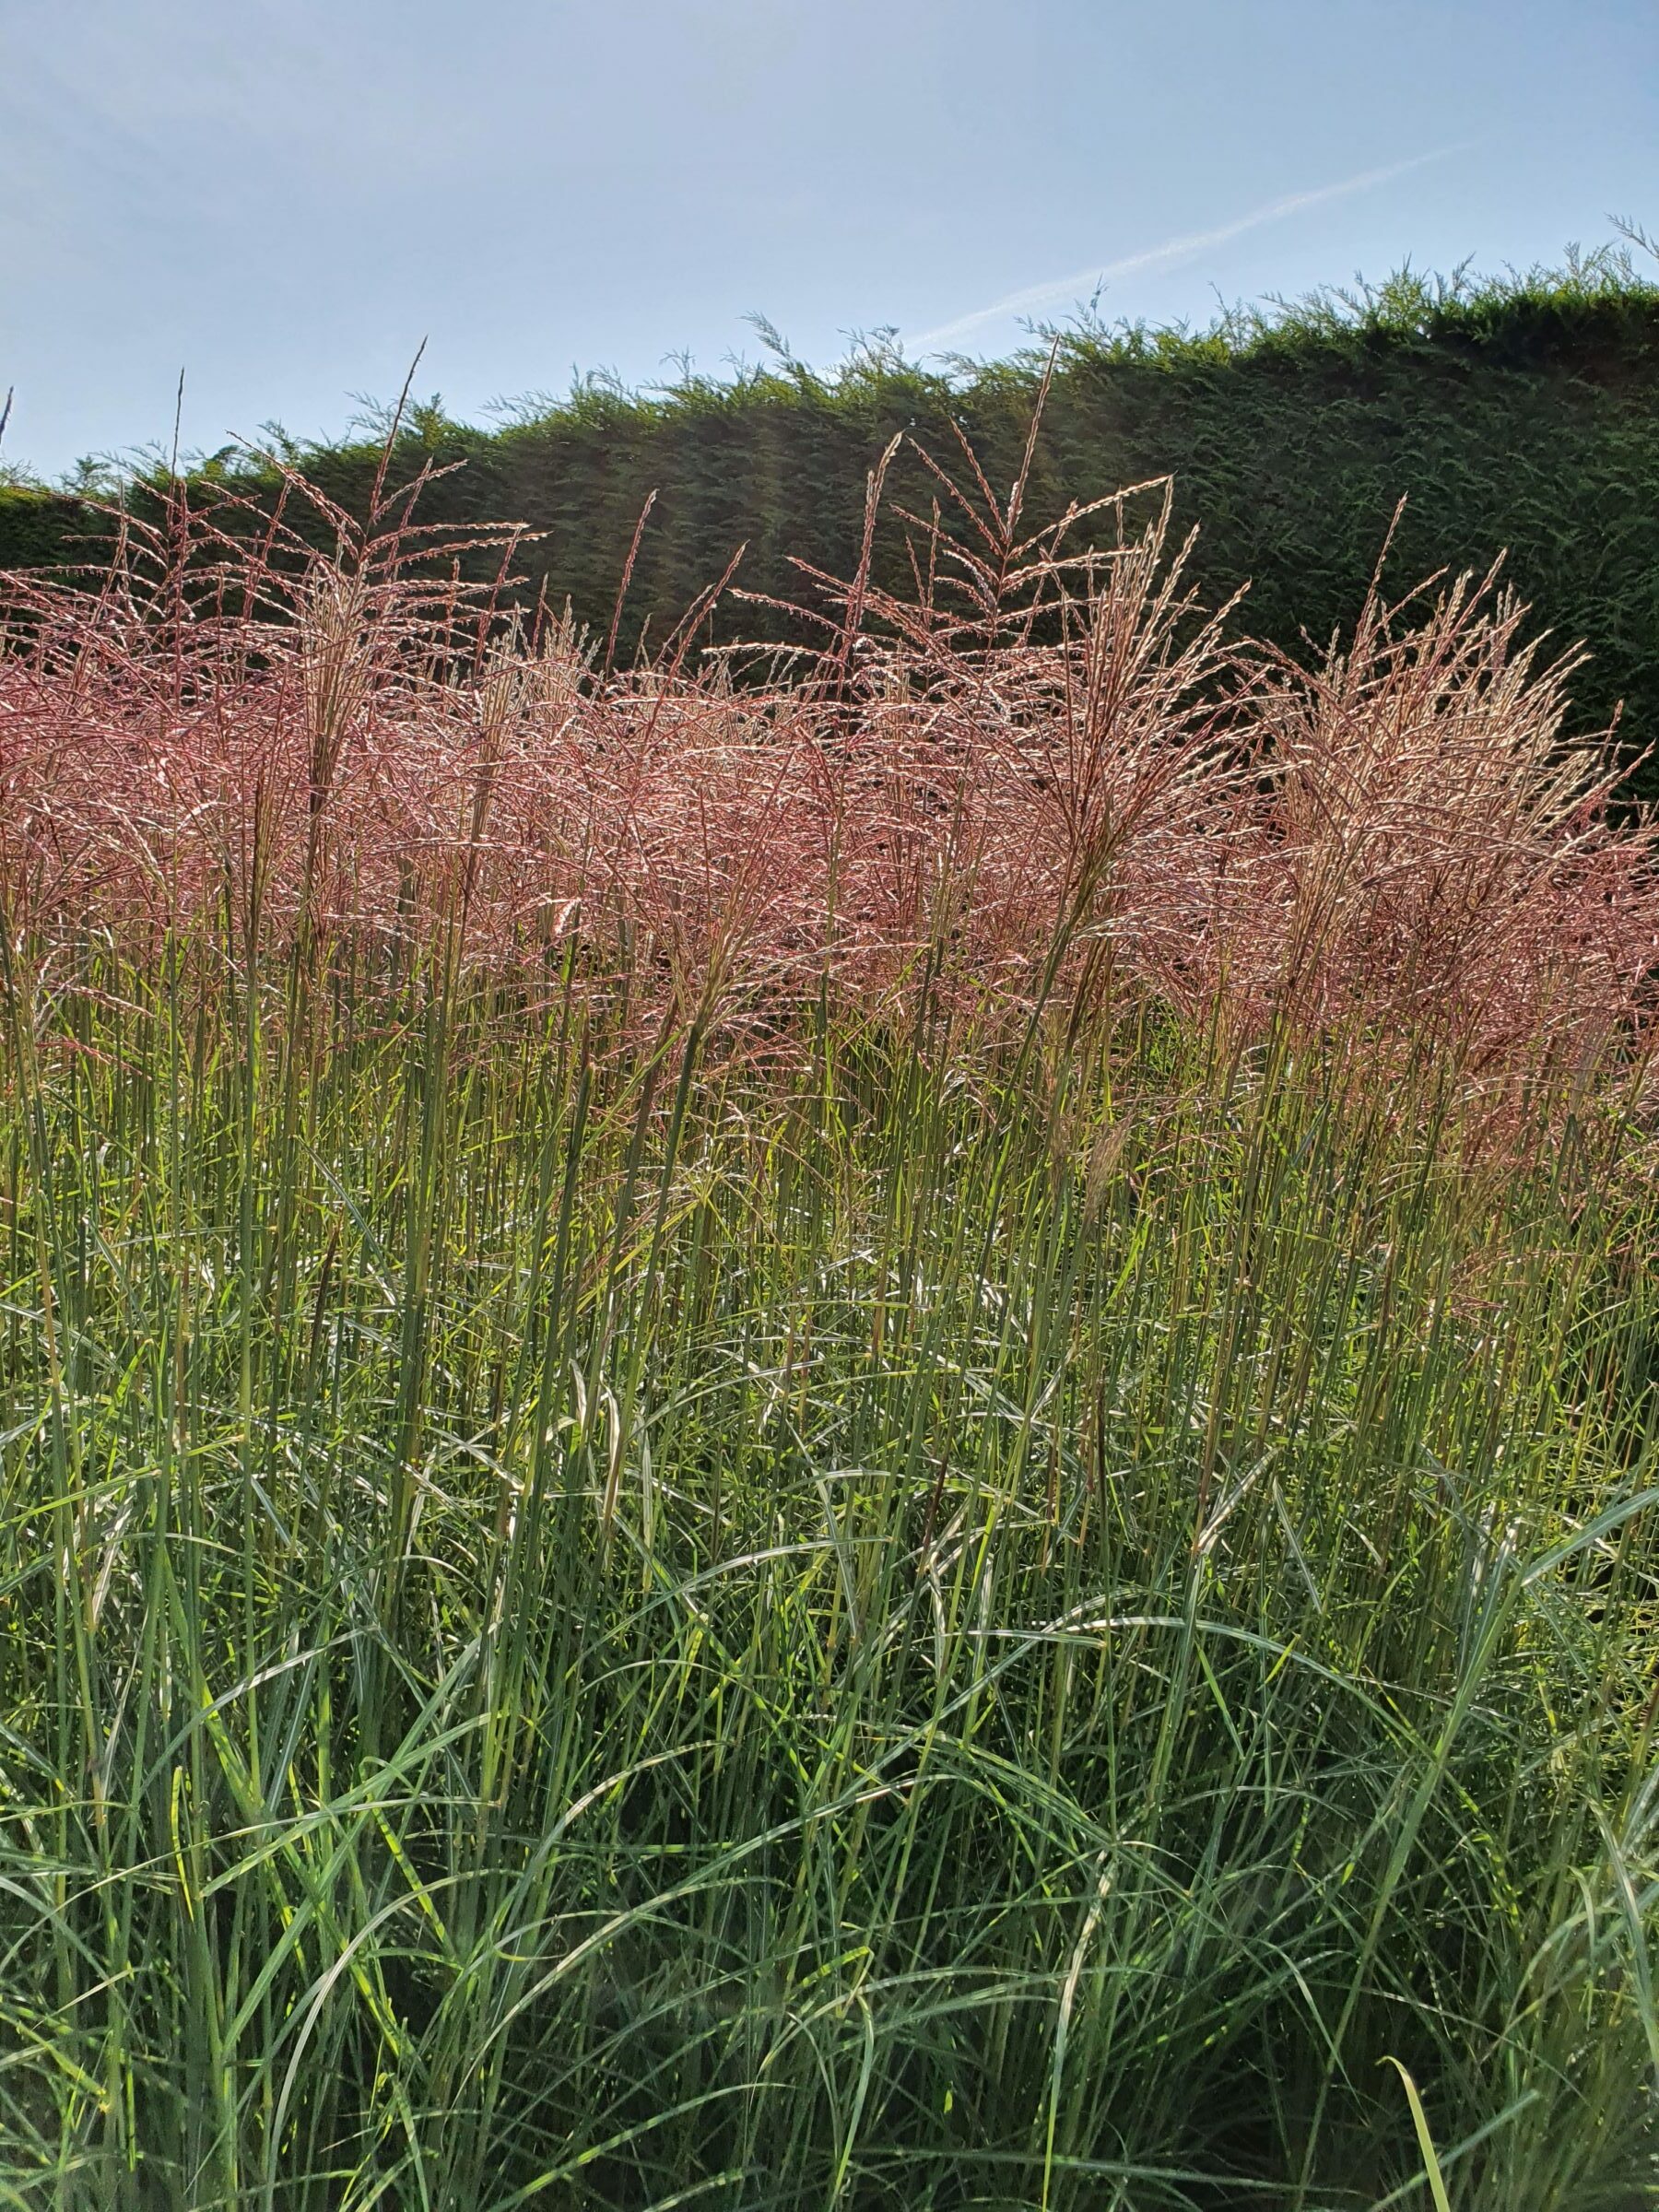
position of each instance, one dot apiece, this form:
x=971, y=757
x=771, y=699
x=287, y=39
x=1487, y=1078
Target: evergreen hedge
x=1518, y=418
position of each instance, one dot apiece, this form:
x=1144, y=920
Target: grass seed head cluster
x=1044, y=778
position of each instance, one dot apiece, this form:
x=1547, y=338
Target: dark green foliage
x=48, y=529
x=1518, y=418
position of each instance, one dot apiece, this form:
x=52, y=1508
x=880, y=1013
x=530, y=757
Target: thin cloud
x=1172, y=250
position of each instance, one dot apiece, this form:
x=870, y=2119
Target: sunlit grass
x=567, y=1630
x=702, y=1557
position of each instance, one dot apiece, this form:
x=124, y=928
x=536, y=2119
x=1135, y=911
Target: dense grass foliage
x=882, y=1442
x=901, y=1642
x=1518, y=415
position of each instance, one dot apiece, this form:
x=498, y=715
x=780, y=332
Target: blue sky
x=283, y=197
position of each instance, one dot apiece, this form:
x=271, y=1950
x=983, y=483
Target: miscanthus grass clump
x=883, y=1439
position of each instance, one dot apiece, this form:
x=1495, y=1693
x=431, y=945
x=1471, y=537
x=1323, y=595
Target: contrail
x=1175, y=248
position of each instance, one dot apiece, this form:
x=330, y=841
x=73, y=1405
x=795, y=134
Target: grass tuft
x=879, y=1439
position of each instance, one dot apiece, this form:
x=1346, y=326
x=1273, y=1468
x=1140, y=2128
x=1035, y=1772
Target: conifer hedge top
x=1520, y=417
